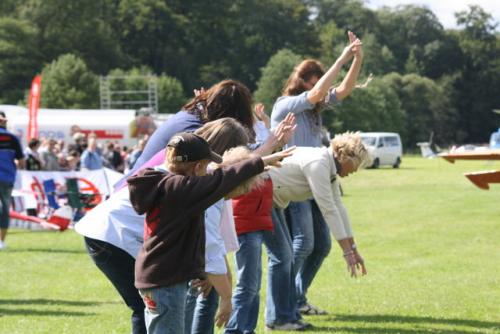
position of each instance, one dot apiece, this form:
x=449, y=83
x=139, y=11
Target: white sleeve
x=340, y=206
x=227, y=228
x=214, y=245
x=317, y=174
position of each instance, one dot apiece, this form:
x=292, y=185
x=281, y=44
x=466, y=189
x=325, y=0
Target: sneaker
x=308, y=309
x=288, y=326
x=305, y=325
x=3, y=245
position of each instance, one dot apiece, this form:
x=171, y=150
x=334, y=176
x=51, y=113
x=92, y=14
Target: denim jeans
x=311, y=244
x=5, y=196
x=200, y=312
x=165, y=308
x=281, y=305
x=118, y=266
x=246, y=297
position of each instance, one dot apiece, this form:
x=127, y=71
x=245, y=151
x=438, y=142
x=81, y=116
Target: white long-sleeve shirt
x=311, y=173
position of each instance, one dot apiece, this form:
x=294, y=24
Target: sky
x=444, y=10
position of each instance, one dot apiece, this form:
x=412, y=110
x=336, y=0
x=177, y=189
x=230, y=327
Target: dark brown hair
x=228, y=98
x=302, y=73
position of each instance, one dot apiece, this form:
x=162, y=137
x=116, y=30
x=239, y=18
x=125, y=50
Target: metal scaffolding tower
x=115, y=93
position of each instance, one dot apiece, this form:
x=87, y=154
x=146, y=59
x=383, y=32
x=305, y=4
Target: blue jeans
x=5, y=196
x=200, y=312
x=118, y=266
x=165, y=306
x=281, y=305
x=246, y=295
x=311, y=244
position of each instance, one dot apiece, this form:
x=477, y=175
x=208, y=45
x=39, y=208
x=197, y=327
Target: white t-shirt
x=116, y=222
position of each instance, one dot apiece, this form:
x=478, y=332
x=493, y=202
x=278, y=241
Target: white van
x=385, y=148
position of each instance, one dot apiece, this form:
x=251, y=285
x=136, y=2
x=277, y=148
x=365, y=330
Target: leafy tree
x=68, y=84
x=19, y=58
x=170, y=94
x=76, y=27
x=375, y=108
x=405, y=28
x=478, y=82
x=378, y=59
x=274, y=76
x=347, y=14
x=427, y=106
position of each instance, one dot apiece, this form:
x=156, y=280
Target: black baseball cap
x=191, y=147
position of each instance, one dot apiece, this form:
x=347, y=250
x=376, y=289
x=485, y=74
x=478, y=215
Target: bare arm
x=320, y=89
x=223, y=288
x=349, y=83
x=279, y=136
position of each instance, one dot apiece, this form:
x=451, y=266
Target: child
x=174, y=240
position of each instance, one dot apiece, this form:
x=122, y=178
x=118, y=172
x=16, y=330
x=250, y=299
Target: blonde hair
x=349, y=146
x=236, y=155
x=223, y=134
x=177, y=167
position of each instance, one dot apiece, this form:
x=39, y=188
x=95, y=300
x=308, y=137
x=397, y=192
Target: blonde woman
x=312, y=172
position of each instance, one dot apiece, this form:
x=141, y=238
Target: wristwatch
x=354, y=247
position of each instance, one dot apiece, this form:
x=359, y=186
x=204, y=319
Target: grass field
x=431, y=241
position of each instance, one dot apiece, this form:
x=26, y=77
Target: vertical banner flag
x=33, y=104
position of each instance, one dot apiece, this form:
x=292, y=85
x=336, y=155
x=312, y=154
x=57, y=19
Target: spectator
x=11, y=156
x=90, y=158
x=49, y=156
x=80, y=142
x=71, y=161
x=136, y=153
x=112, y=158
x=33, y=161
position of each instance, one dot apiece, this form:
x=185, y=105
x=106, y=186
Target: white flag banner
x=37, y=187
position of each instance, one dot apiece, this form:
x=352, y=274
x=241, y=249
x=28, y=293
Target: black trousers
x=118, y=266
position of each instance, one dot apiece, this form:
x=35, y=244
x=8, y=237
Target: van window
x=369, y=141
x=391, y=141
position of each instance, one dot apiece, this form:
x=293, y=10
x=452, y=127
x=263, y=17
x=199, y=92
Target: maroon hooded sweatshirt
x=174, y=233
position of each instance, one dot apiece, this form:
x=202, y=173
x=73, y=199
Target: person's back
x=10, y=154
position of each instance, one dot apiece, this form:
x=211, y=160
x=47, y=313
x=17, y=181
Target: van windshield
x=369, y=141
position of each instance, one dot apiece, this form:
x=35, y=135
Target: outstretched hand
x=198, y=92
x=259, y=111
x=276, y=158
x=285, y=130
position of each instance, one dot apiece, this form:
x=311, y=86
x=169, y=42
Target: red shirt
x=252, y=211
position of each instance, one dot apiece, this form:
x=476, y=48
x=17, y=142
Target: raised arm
x=320, y=89
x=349, y=83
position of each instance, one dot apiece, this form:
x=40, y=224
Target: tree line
x=426, y=78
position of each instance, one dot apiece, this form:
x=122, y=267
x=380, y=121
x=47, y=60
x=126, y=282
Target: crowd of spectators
x=85, y=152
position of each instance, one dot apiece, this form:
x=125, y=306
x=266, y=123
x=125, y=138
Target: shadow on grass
x=382, y=330
x=45, y=301
x=33, y=312
x=408, y=320
x=46, y=250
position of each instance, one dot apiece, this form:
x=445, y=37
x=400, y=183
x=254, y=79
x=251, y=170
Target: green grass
x=431, y=242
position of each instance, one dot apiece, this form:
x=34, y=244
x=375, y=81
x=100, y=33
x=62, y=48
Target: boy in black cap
x=174, y=201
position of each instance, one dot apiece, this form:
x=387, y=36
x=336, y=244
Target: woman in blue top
x=306, y=93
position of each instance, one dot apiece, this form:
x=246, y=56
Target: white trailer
x=107, y=124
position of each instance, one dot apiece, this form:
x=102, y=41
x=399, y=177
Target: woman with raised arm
x=307, y=92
